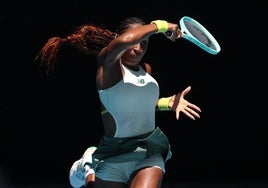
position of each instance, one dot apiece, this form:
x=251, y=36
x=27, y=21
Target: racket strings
x=200, y=35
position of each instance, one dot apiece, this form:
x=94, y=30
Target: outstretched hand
x=179, y=104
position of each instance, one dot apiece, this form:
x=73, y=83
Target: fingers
x=193, y=106
x=179, y=33
x=190, y=110
x=181, y=105
x=173, y=35
x=191, y=113
x=174, y=32
x=186, y=90
x=177, y=115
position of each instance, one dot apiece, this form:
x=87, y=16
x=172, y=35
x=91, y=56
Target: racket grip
x=169, y=33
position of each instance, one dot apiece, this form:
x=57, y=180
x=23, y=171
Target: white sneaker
x=79, y=170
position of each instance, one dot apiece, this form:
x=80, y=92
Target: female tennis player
x=133, y=151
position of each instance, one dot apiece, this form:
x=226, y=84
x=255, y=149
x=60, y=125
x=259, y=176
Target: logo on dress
x=141, y=81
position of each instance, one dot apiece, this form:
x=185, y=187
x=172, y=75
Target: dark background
x=45, y=128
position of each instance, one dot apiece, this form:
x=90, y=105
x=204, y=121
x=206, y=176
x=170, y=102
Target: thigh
x=115, y=172
x=149, y=177
x=90, y=181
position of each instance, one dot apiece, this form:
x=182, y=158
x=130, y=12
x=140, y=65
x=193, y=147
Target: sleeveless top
x=132, y=102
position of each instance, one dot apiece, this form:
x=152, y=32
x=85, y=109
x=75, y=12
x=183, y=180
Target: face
x=134, y=54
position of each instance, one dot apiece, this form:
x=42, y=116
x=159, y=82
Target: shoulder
x=147, y=68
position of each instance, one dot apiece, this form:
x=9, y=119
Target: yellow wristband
x=162, y=104
x=162, y=25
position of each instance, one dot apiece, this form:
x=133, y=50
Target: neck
x=133, y=67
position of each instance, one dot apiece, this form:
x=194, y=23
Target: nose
x=138, y=49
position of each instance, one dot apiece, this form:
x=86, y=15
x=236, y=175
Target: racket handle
x=169, y=33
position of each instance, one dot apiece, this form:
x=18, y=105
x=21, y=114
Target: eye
x=144, y=43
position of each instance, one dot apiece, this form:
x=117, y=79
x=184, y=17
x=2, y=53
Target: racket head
x=193, y=31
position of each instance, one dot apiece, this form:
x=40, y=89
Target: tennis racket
x=196, y=33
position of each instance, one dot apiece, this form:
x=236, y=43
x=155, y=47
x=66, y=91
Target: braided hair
x=88, y=38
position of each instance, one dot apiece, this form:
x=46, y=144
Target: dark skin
x=143, y=178
x=90, y=181
x=128, y=49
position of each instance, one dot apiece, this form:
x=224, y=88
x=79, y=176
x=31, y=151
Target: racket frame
x=187, y=35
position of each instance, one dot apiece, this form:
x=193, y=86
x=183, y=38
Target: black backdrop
x=45, y=128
